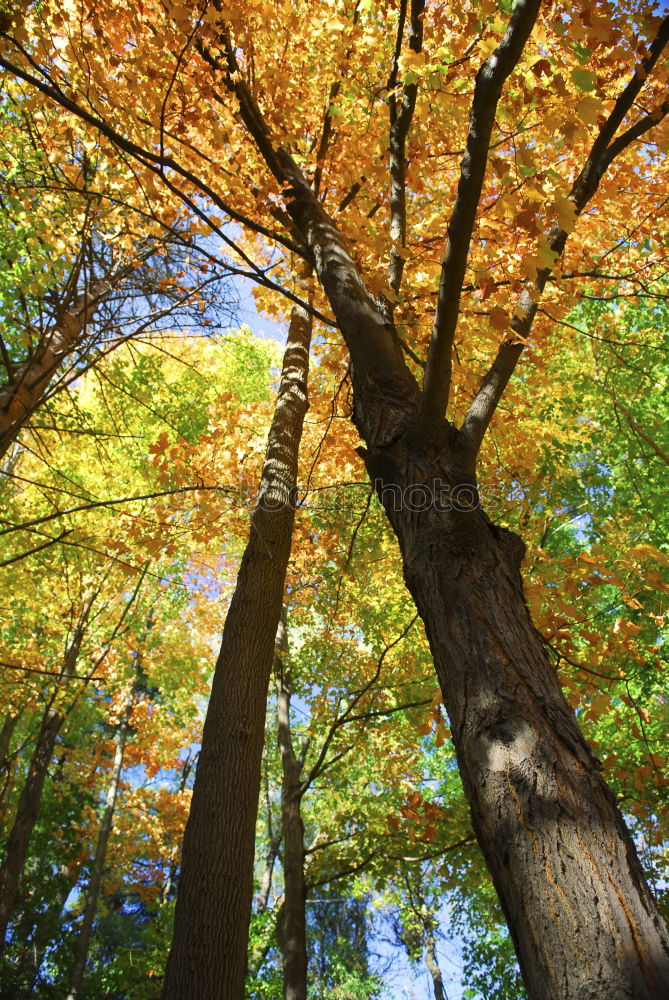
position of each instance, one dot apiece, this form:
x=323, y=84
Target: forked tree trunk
x=213, y=909
x=584, y=922
x=294, y=925
x=582, y=918
x=98, y=867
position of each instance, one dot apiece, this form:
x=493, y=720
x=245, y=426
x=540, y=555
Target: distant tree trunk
x=97, y=869
x=431, y=960
x=18, y=841
x=294, y=930
x=170, y=882
x=213, y=910
x=27, y=384
x=8, y=727
x=6, y=733
x=41, y=934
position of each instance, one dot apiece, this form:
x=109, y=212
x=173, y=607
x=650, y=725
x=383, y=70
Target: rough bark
x=98, y=867
x=208, y=956
x=294, y=925
x=583, y=920
x=18, y=841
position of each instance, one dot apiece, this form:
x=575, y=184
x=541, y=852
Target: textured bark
x=98, y=867
x=294, y=924
x=208, y=956
x=18, y=841
x=583, y=920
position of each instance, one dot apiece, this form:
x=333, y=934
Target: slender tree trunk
x=213, y=910
x=6, y=733
x=431, y=959
x=8, y=727
x=583, y=920
x=41, y=934
x=97, y=870
x=18, y=841
x=170, y=881
x=294, y=929
x=27, y=384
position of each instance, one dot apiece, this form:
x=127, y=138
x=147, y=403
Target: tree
x=78, y=280
x=582, y=918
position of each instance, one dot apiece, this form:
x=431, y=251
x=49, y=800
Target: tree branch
x=602, y=154
x=400, y=122
x=489, y=82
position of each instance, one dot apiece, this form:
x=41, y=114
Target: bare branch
x=632, y=422
x=347, y=714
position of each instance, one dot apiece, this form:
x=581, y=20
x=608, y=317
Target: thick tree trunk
x=16, y=848
x=97, y=870
x=209, y=947
x=294, y=928
x=583, y=920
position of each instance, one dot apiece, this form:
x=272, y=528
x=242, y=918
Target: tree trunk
x=98, y=867
x=28, y=383
x=208, y=956
x=431, y=959
x=18, y=841
x=170, y=881
x=294, y=929
x=8, y=727
x=583, y=920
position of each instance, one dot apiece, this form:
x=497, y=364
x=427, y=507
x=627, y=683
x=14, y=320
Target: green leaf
x=584, y=79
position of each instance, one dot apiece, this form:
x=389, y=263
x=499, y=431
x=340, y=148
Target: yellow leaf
x=566, y=213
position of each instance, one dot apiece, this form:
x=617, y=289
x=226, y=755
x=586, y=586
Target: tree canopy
x=432, y=536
